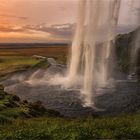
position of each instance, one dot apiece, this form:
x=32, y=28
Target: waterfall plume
x=93, y=44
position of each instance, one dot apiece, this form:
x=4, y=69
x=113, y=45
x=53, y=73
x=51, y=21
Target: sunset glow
x=48, y=20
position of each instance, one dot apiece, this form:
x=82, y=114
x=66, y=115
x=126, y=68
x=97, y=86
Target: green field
x=55, y=128
x=19, y=58
x=9, y=64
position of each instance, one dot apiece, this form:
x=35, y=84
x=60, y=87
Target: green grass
x=61, y=59
x=22, y=120
x=10, y=64
x=123, y=127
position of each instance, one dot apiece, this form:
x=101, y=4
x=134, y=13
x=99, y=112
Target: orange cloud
x=33, y=36
x=32, y=33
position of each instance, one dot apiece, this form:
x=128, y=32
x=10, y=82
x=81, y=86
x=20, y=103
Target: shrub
x=37, y=106
x=53, y=113
x=15, y=98
x=1, y=88
x=24, y=102
x=1, y=96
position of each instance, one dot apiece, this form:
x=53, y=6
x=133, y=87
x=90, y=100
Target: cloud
x=11, y=29
x=63, y=30
x=14, y=16
x=41, y=32
x=57, y=30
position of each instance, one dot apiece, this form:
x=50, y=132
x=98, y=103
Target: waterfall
x=90, y=63
x=135, y=45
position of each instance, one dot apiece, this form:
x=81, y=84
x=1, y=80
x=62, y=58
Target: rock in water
x=51, y=61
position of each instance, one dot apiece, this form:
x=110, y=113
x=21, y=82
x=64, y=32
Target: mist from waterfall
x=92, y=48
x=135, y=52
x=135, y=46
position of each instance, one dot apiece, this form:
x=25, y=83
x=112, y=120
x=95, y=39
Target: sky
x=51, y=20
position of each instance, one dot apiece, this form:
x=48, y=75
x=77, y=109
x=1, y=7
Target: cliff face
x=124, y=44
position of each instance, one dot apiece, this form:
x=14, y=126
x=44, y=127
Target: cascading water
x=135, y=52
x=135, y=49
x=92, y=45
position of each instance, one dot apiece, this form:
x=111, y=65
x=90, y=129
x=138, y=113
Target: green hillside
x=21, y=120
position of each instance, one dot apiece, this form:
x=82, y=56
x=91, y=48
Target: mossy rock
x=2, y=96
x=24, y=102
x=15, y=98
x=12, y=106
x=1, y=88
x=36, y=109
x=53, y=113
x=9, y=104
x=42, y=64
x=123, y=46
x=37, y=105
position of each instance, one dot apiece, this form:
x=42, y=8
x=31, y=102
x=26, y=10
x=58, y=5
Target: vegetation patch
x=10, y=64
x=11, y=106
